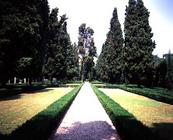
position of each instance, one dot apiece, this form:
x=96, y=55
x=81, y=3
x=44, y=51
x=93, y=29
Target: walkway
x=86, y=119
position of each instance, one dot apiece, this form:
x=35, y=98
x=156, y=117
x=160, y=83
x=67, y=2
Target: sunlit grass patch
x=100, y=84
x=17, y=110
x=71, y=85
x=97, y=82
x=156, y=93
x=148, y=111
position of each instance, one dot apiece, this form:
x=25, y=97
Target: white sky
x=97, y=15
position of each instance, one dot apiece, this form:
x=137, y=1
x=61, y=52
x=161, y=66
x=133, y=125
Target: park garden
x=42, y=71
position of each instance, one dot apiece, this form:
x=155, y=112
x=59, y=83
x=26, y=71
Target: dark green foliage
x=22, y=34
x=87, y=51
x=55, y=56
x=88, y=67
x=163, y=73
x=160, y=70
x=72, y=62
x=128, y=127
x=110, y=65
x=24, y=67
x=100, y=66
x=138, y=43
x=8, y=38
x=169, y=74
x=33, y=41
x=61, y=56
x=41, y=126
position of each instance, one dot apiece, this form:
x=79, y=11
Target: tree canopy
x=87, y=51
x=110, y=64
x=138, y=43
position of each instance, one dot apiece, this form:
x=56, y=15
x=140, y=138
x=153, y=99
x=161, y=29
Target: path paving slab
x=86, y=119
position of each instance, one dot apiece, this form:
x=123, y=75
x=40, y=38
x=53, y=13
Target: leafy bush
x=128, y=127
x=41, y=126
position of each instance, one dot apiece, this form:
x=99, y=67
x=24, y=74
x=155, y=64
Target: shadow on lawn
x=131, y=129
x=96, y=130
x=38, y=91
x=10, y=97
x=12, y=94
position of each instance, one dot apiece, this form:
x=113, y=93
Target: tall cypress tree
x=61, y=58
x=130, y=32
x=110, y=69
x=138, y=42
x=55, y=55
x=145, y=42
x=44, y=15
x=101, y=68
x=72, y=65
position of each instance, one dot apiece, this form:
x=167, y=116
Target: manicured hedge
x=128, y=127
x=74, y=82
x=97, y=82
x=41, y=126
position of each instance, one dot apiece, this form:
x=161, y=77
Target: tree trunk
x=15, y=80
x=30, y=81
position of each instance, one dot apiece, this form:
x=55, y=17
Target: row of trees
x=130, y=60
x=34, y=43
x=166, y=71
x=163, y=71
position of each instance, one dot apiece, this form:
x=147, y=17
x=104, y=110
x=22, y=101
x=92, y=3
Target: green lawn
x=156, y=93
x=156, y=115
x=16, y=110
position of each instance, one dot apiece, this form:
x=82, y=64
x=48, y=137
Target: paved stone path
x=86, y=119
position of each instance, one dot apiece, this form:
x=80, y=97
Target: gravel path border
x=86, y=120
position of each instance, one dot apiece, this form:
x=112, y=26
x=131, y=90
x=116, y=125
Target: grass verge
x=41, y=125
x=128, y=127
x=159, y=94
